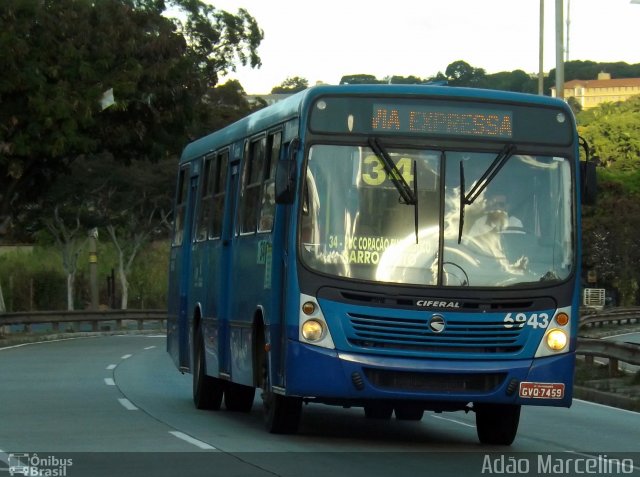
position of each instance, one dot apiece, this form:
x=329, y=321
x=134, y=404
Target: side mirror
x=588, y=176
x=588, y=182
x=286, y=175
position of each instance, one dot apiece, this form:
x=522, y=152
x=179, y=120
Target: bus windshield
x=519, y=230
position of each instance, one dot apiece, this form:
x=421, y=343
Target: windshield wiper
x=478, y=188
x=408, y=195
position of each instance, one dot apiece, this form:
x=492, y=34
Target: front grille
x=434, y=382
x=463, y=335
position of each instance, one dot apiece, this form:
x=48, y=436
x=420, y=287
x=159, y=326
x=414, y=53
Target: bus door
x=184, y=214
x=226, y=268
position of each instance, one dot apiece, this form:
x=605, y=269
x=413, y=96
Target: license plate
x=542, y=390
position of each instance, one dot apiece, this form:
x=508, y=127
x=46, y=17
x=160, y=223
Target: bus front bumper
x=333, y=376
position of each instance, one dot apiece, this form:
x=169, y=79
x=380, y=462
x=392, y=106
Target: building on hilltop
x=591, y=93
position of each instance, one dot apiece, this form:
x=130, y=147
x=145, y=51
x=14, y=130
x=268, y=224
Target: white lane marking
x=109, y=382
x=150, y=347
x=156, y=336
x=112, y=366
x=191, y=440
x=126, y=356
x=41, y=342
x=608, y=407
x=452, y=420
x=128, y=405
x=621, y=334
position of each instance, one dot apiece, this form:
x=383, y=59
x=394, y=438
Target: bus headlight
x=312, y=325
x=312, y=330
x=557, y=336
x=557, y=339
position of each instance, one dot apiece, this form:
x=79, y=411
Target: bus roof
x=290, y=108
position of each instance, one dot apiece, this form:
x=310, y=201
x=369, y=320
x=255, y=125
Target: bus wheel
x=497, y=423
x=238, y=397
x=207, y=390
x=409, y=412
x=378, y=410
x=281, y=413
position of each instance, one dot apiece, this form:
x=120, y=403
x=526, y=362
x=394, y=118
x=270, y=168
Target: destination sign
x=443, y=117
x=445, y=120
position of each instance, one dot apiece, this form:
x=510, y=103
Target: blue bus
x=392, y=247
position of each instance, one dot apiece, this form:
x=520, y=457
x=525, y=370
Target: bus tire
x=409, y=412
x=239, y=398
x=207, y=390
x=378, y=411
x=497, y=423
x=281, y=413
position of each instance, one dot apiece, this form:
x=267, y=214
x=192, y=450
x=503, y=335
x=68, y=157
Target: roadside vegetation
x=33, y=279
x=99, y=98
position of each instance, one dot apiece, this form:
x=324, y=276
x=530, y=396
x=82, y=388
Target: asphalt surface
x=117, y=406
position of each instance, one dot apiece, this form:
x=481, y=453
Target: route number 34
x=374, y=173
x=519, y=320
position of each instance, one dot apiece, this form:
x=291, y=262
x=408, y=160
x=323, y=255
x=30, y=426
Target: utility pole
x=541, y=48
x=566, y=51
x=93, y=268
x=559, y=50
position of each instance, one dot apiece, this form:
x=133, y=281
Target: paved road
x=117, y=406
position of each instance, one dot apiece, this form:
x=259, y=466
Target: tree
x=404, y=80
x=70, y=242
x=575, y=105
x=461, y=73
x=610, y=239
x=613, y=132
x=611, y=243
x=516, y=80
x=59, y=59
x=360, y=79
x=225, y=104
x=134, y=205
x=291, y=85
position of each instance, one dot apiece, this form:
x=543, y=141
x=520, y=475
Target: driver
x=496, y=218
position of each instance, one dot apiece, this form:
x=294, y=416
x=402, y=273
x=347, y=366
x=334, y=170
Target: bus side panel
x=248, y=296
x=178, y=343
x=213, y=294
x=173, y=304
x=276, y=296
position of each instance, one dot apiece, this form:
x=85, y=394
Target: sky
x=325, y=40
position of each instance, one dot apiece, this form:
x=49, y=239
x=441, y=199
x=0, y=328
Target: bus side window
x=204, y=205
x=181, y=207
x=219, y=186
x=268, y=201
x=251, y=184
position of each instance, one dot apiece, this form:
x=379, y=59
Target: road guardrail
x=588, y=347
x=28, y=318
x=613, y=315
x=613, y=351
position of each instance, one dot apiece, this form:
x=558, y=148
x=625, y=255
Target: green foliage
x=613, y=132
x=611, y=245
x=60, y=57
x=461, y=73
x=35, y=280
x=149, y=280
x=291, y=85
x=32, y=280
x=230, y=103
x=360, y=79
